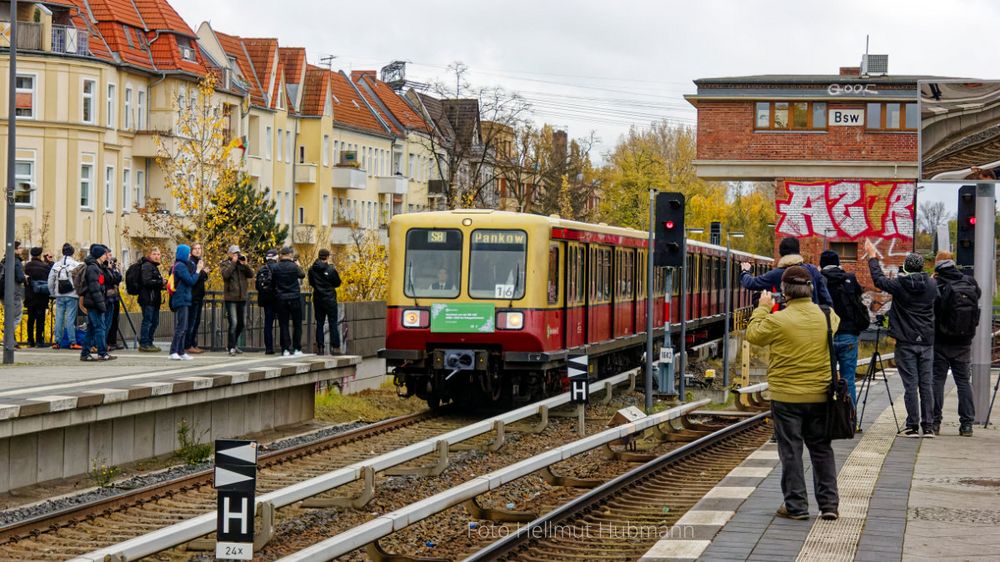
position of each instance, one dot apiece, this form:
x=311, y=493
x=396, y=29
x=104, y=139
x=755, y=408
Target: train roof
x=554, y=221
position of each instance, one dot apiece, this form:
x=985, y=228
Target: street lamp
x=729, y=301
x=8, y=322
x=683, y=318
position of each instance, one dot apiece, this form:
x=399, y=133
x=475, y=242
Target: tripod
x=986, y=423
x=875, y=365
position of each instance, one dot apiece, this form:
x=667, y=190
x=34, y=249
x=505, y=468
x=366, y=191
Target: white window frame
x=140, y=188
x=141, y=109
x=33, y=91
x=267, y=143
x=110, y=174
x=336, y=152
x=280, y=153
x=30, y=180
x=87, y=101
x=326, y=150
x=112, y=102
x=289, y=147
x=87, y=187
x=325, y=211
x=128, y=108
x=126, y=189
x=288, y=208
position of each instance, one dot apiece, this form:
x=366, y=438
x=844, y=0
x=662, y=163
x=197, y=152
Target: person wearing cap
x=788, y=250
x=267, y=298
x=846, y=294
x=911, y=324
x=956, y=311
x=324, y=280
x=798, y=376
x=36, y=297
x=236, y=276
x=67, y=301
x=94, y=303
x=197, y=300
x=288, y=293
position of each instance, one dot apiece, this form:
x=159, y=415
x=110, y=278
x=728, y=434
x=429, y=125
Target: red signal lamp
x=669, y=225
x=972, y=221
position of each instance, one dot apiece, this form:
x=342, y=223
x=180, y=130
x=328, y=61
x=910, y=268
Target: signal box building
x=840, y=149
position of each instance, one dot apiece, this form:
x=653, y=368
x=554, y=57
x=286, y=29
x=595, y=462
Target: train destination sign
x=468, y=318
x=498, y=237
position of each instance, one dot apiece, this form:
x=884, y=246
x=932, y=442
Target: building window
x=302, y=154
x=783, y=116
x=288, y=208
x=140, y=188
x=128, y=108
x=88, y=101
x=141, y=110
x=24, y=100
x=848, y=251
x=112, y=102
x=126, y=190
x=891, y=116
x=326, y=150
x=86, y=186
x=24, y=183
x=336, y=152
x=277, y=206
x=281, y=145
x=302, y=215
x=267, y=143
x=325, y=211
x=109, y=189
x=289, y=149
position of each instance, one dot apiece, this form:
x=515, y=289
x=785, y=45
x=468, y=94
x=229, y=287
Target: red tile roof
x=316, y=86
x=378, y=110
x=167, y=54
x=396, y=104
x=98, y=46
x=114, y=34
x=262, y=52
x=294, y=59
x=119, y=11
x=233, y=46
x=350, y=109
x=159, y=15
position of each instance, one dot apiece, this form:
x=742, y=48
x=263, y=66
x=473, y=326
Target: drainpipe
x=295, y=161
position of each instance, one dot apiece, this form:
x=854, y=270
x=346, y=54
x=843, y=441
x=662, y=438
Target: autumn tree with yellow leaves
x=363, y=268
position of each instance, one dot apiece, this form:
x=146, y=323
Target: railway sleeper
x=496, y=514
x=441, y=450
x=627, y=456
x=567, y=481
x=357, y=502
x=493, y=445
x=262, y=535
x=376, y=553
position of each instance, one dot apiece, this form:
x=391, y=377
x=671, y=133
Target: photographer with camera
x=236, y=275
x=911, y=323
x=798, y=375
x=788, y=249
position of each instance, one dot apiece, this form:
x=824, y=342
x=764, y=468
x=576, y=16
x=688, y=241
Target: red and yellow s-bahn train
x=484, y=305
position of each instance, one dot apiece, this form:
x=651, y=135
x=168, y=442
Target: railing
x=29, y=35
x=70, y=40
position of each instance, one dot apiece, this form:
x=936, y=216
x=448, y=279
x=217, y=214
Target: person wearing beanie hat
x=185, y=278
x=95, y=304
x=798, y=375
x=956, y=314
x=324, y=280
x=61, y=288
x=788, y=250
x=911, y=323
x=236, y=275
x=288, y=301
x=36, y=297
x=847, y=296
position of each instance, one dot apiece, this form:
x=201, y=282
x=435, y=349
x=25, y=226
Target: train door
x=576, y=296
x=624, y=291
x=640, y=290
x=599, y=305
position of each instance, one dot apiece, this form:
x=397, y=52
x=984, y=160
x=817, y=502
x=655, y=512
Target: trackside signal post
x=236, y=482
x=670, y=247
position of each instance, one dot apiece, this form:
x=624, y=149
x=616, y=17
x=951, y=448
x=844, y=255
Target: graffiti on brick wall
x=847, y=209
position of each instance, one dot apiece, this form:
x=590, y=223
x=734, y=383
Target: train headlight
x=510, y=320
x=414, y=318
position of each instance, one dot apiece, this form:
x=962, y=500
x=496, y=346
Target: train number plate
x=503, y=291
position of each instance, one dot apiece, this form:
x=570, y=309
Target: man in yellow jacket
x=799, y=380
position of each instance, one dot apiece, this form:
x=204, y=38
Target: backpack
x=133, y=278
x=64, y=281
x=264, y=282
x=959, y=307
x=847, y=301
x=171, y=282
x=79, y=276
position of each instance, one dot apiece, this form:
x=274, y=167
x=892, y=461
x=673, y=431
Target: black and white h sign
x=236, y=481
x=577, y=370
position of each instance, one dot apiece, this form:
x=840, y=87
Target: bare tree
x=931, y=215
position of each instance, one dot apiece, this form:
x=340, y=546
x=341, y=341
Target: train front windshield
x=433, y=263
x=497, y=264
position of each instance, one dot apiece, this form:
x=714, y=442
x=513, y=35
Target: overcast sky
x=602, y=66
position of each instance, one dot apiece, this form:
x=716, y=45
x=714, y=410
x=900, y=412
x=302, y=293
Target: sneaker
x=232, y=352
x=936, y=428
x=106, y=357
x=286, y=353
x=238, y=351
x=187, y=357
x=175, y=357
x=196, y=350
x=965, y=430
x=88, y=357
x=298, y=352
x=928, y=434
x=831, y=515
x=911, y=432
x=55, y=346
x=75, y=346
x=149, y=348
x=783, y=512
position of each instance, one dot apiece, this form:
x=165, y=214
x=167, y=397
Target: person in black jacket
x=846, y=293
x=953, y=348
x=324, y=280
x=267, y=298
x=911, y=323
x=286, y=276
x=94, y=302
x=36, y=298
x=197, y=300
x=114, y=276
x=788, y=250
x=150, y=298
x=17, y=309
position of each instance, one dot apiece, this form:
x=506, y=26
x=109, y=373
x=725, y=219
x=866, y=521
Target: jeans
x=150, y=321
x=269, y=318
x=916, y=369
x=194, y=318
x=958, y=358
x=326, y=311
x=36, y=324
x=290, y=309
x=845, y=347
x=66, y=308
x=235, y=318
x=17, y=310
x=113, y=322
x=795, y=424
x=180, y=330
x=97, y=333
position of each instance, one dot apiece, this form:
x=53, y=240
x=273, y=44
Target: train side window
x=607, y=274
x=553, y=288
x=592, y=270
x=580, y=289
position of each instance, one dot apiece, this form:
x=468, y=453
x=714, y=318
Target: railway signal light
x=669, y=233
x=966, y=241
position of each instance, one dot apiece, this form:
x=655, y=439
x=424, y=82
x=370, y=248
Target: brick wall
x=725, y=132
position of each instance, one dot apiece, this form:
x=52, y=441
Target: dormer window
x=128, y=36
x=187, y=51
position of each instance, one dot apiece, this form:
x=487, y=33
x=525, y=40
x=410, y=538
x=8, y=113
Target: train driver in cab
x=442, y=283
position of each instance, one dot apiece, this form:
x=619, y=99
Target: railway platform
x=59, y=416
x=901, y=499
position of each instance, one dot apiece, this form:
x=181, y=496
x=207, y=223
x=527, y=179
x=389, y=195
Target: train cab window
x=433, y=263
x=497, y=264
x=553, y=284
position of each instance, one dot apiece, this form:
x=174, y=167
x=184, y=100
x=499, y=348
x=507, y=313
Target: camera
x=243, y=258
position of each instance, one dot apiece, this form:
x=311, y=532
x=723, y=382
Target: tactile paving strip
x=838, y=540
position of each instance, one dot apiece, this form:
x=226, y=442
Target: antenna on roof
x=327, y=61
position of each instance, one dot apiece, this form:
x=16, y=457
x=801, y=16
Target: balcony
x=341, y=235
x=305, y=172
x=396, y=185
x=346, y=177
x=70, y=40
x=34, y=36
x=437, y=187
x=145, y=144
x=304, y=234
x=254, y=166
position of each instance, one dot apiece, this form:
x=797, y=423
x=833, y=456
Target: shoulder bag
x=841, y=416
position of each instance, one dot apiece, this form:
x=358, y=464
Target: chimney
x=356, y=75
x=850, y=71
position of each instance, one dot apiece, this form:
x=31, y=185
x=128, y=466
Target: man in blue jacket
x=788, y=249
x=185, y=278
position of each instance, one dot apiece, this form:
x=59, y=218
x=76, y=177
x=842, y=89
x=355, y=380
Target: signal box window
x=786, y=116
x=891, y=116
x=433, y=263
x=497, y=260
